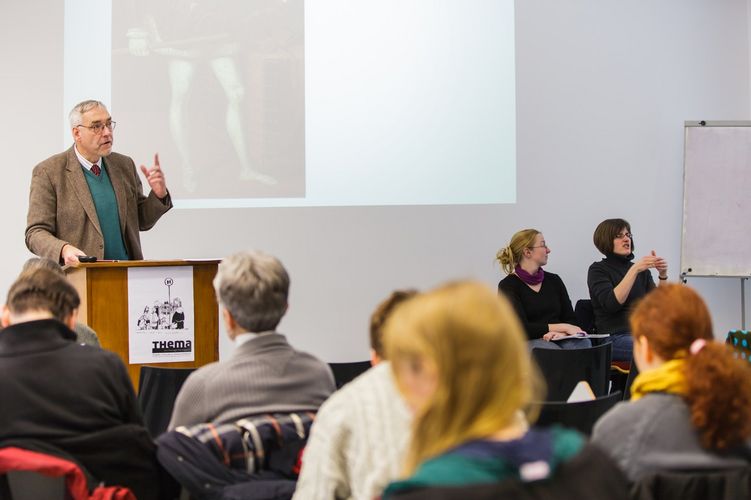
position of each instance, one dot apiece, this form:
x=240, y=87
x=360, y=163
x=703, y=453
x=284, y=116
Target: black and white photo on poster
x=161, y=319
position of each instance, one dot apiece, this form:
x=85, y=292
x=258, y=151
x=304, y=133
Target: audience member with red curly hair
x=691, y=403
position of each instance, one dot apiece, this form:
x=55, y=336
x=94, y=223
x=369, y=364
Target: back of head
x=671, y=317
x=35, y=263
x=253, y=287
x=511, y=255
x=381, y=314
x=473, y=338
x=607, y=231
x=677, y=324
x=42, y=290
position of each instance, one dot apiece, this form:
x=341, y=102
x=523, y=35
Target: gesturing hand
x=646, y=262
x=155, y=178
x=660, y=264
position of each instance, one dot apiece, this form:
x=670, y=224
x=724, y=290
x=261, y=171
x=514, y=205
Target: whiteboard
x=716, y=237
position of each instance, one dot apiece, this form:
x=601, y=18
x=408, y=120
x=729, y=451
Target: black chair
x=633, y=372
x=727, y=484
x=619, y=374
x=580, y=415
x=619, y=370
x=30, y=485
x=157, y=391
x=345, y=372
x=585, y=315
x=562, y=369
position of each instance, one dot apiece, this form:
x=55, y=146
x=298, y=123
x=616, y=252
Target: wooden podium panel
x=103, y=288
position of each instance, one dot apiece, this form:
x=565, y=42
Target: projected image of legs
x=218, y=88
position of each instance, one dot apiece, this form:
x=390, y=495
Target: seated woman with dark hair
x=460, y=360
x=616, y=283
x=539, y=297
x=691, y=403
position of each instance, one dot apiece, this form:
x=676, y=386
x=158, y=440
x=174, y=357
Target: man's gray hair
x=253, y=287
x=76, y=114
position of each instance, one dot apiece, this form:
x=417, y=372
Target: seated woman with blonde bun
x=691, y=402
x=539, y=297
x=460, y=360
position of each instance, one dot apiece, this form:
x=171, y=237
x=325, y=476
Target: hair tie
x=696, y=346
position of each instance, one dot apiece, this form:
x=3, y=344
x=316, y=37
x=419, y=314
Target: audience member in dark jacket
x=74, y=398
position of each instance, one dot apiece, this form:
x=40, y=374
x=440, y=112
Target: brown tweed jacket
x=61, y=209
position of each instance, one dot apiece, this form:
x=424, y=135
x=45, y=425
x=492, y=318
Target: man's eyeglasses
x=620, y=236
x=98, y=128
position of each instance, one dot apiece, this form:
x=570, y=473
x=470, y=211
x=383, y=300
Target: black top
x=537, y=310
x=610, y=316
x=77, y=399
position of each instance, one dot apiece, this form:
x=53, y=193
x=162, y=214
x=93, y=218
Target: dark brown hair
x=43, y=290
x=718, y=386
x=381, y=314
x=606, y=232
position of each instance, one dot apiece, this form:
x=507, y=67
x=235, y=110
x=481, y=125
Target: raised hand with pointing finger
x=155, y=178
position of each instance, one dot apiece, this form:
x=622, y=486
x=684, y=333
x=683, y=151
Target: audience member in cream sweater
x=361, y=433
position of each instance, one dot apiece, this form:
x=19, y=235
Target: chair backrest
x=632, y=373
x=346, y=372
x=585, y=315
x=27, y=474
x=157, y=391
x=562, y=369
x=581, y=415
x=728, y=484
x=30, y=485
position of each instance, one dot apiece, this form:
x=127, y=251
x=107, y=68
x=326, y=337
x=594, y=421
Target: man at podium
x=82, y=204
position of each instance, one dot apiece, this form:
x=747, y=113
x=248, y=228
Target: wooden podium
x=103, y=288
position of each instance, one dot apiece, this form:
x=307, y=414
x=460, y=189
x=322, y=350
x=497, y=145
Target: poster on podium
x=160, y=315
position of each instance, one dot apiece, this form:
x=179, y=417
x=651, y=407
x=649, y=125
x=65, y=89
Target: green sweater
x=106, y=210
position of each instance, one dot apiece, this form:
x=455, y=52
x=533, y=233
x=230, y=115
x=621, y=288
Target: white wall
x=603, y=89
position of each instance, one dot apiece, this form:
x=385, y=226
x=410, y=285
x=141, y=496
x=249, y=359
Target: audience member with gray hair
x=265, y=374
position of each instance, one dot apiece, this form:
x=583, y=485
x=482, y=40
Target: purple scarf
x=530, y=279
